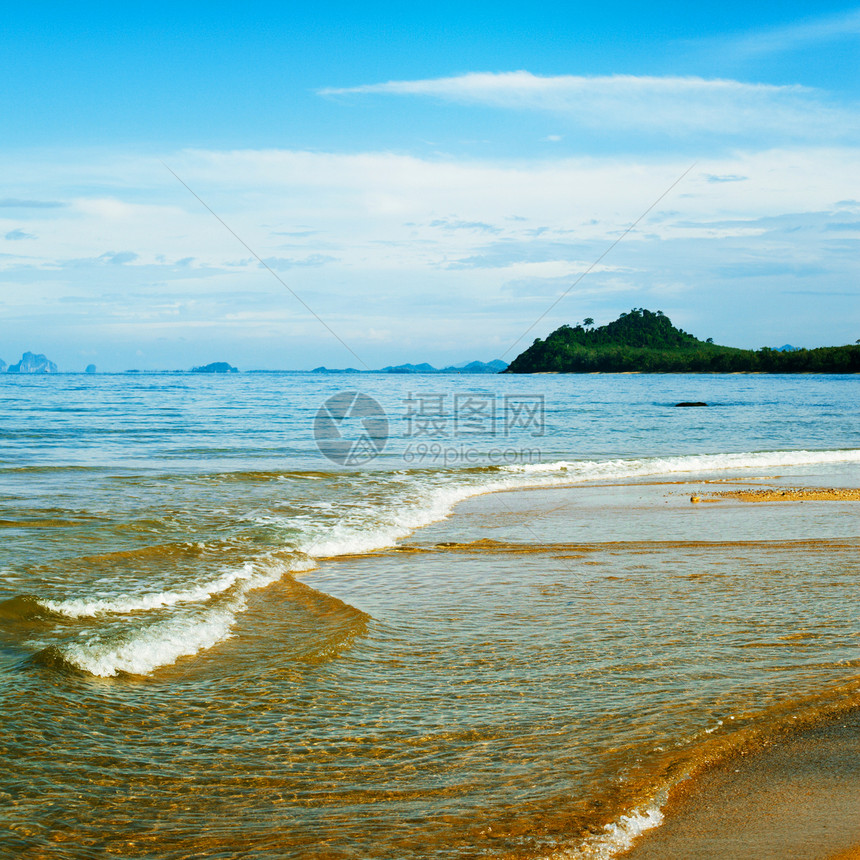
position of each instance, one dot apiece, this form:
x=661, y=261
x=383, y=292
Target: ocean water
x=277, y=615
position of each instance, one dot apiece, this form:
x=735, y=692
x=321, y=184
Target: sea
x=323, y=615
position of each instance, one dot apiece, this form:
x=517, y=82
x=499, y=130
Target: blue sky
x=429, y=181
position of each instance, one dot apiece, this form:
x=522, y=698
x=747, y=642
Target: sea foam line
x=251, y=575
x=595, y=469
x=406, y=515
x=89, y=607
x=153, y=647
x=163, y=643
x=143, y=650
x=617, y=836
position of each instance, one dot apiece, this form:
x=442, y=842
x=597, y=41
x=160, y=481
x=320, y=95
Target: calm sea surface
x=217, y=641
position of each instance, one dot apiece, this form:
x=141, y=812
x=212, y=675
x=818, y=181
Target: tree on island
x=647, y=342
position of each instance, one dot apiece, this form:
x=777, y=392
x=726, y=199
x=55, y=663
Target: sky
x=283, y=186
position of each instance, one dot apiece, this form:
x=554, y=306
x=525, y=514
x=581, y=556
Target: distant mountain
x=215, y=367
x=495, y=366
x=787, y=347
x=32, y=363
x=2, y=366
x=411, y=368
x=644, y=341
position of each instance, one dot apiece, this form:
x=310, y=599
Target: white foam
x=616, y=838
x=585, y=469
x=141, y=650
x=88, y=607
x=247, y=575
x=392, y=524
x=147, y=650
x=375, y=525
x=381, y=528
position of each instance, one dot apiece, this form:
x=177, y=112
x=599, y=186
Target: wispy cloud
x=456, y=224
x=803, y=34
x=283, y=263
x=17, y=203
x=119, y=258
x=14, y=235
x=673, y=105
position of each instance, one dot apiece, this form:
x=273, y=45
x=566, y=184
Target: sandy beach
x=789, y=494
x=786, y=785
x=798, y=797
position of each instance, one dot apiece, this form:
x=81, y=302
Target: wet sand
x=789, y=494
x=798, y=798
x=798, y=794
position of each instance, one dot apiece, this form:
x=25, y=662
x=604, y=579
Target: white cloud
x=671, y=105
x=118, y=258
x=459, y=250
x=810, y=32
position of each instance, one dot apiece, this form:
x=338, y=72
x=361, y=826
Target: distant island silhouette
x=215, y=367
x=30, y=363
x=495, y=366
x=644, y=341
x=640, y=341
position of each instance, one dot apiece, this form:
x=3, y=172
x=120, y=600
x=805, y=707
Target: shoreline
x=795, y=796
x=794, y=746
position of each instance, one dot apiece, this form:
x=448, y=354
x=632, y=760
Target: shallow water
x=202, y=650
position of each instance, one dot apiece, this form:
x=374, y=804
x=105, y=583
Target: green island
x=645, y=341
